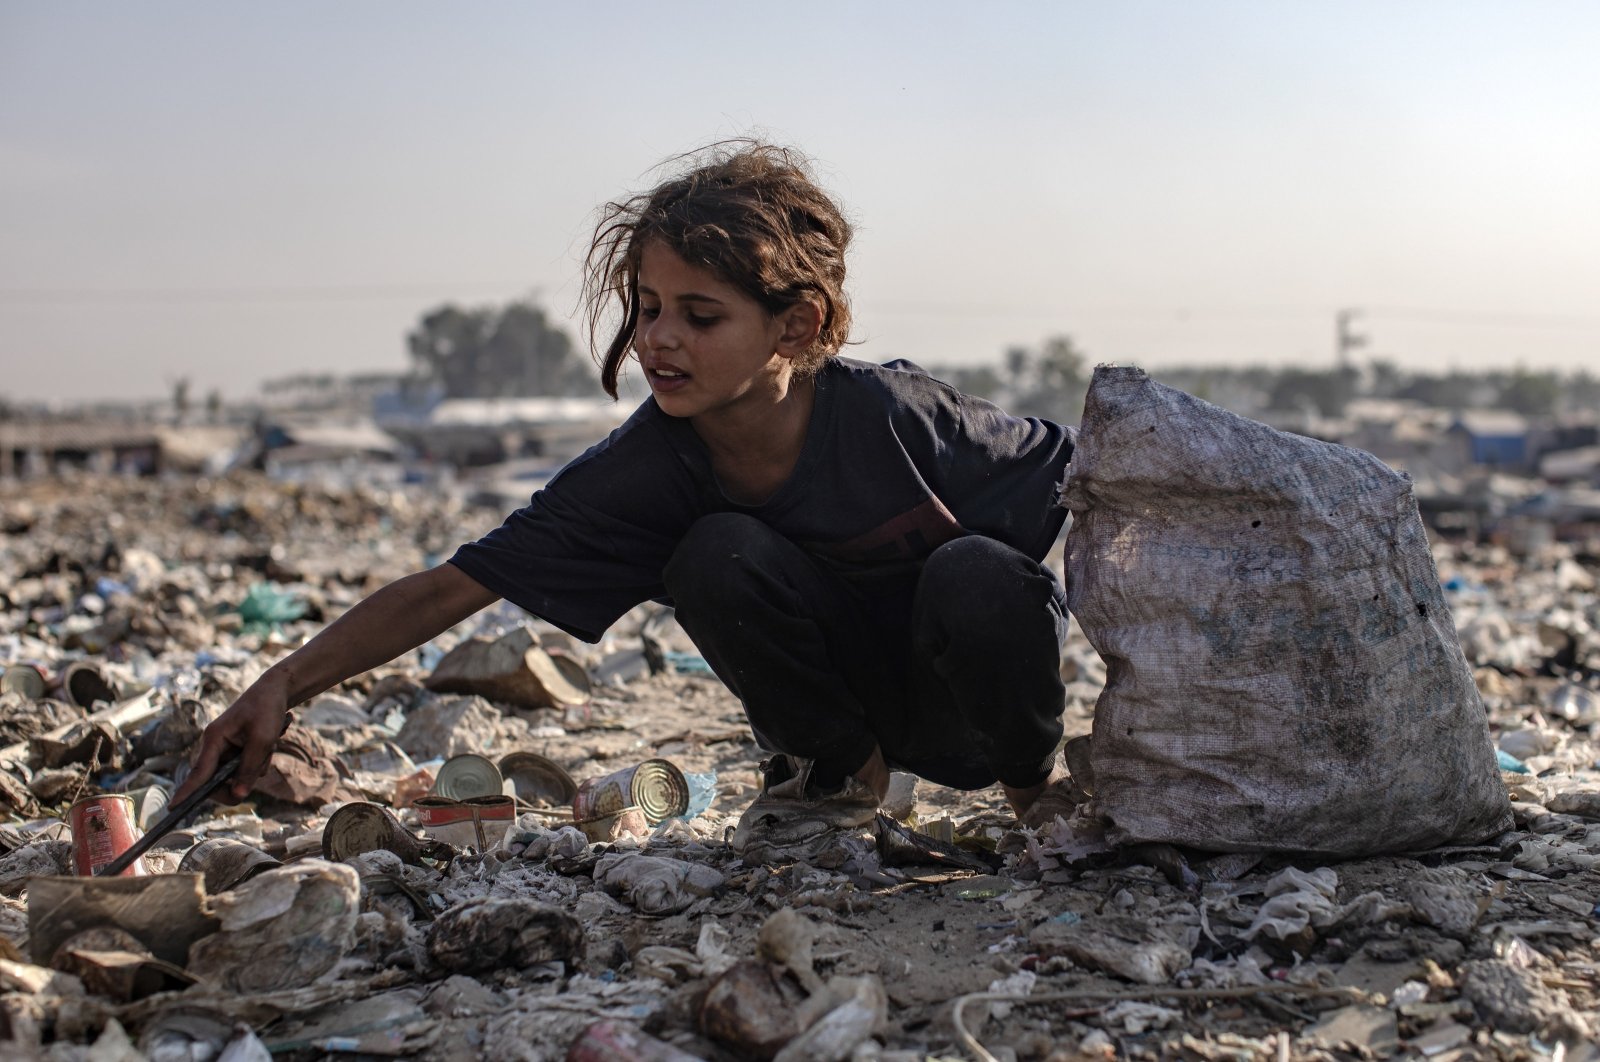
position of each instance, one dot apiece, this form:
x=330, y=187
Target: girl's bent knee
x=974, y=555
x=718, y=538
x=983, y=574
x=715, y=552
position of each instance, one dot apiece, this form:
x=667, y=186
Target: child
x=855, y=549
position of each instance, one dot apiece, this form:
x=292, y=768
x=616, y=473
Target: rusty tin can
x=656, y=787
x=363, y=827
x=102, y=829
x=537, y=780
x=85, y=685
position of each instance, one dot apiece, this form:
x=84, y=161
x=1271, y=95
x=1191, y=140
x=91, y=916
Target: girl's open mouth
x=666, y=378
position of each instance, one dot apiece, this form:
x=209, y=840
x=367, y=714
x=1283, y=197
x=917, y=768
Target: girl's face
x=707, y=348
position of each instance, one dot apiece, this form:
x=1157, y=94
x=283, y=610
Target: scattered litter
x=510, y=669
x=750, y=1011
x=655, y=884
x=1127, y=947
x=266, y=608
x=612, y=1041
x=164, y=913
x=282, y=929
x=224, y=863
x=486, y=921
x=484, y=935
x=1369, y=1030
x=1018, y=984
x=1509, y=762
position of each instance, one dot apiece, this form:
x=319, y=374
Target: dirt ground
x=1485, y=951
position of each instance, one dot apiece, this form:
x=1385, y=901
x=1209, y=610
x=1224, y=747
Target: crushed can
x=478, y=823
x=537, y=780
x=102, y=829
x=466, y=776
x=655, y=787
x=225, y=863
x=363, y=827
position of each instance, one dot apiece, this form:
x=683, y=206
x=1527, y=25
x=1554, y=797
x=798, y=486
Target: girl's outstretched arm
x=394, y=620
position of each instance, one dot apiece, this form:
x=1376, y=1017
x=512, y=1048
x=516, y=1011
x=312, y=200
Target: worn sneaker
x=790, y=822
x=1063, y=798
x=1060, y=801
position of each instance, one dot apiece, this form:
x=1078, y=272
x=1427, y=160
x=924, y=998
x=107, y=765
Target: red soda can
x=102, y=829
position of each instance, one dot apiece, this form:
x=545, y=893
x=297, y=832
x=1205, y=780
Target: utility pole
x=1346, y=339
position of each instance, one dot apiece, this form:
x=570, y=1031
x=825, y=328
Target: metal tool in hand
x=174, y=816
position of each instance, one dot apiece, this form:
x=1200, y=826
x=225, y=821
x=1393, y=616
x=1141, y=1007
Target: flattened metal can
x=364, y=827
x=225, y=863
x=656, y=787
x=103, y=829
x=466, y=776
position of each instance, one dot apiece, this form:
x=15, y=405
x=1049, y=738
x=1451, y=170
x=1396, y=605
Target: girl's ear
x=801, y=324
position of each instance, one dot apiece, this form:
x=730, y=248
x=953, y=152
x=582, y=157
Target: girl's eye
x=649, y=311
x=701, y=322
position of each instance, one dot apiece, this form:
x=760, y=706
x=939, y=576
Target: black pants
x=952, y=670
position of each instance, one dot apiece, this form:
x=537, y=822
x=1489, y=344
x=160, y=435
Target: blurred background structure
x=308, y=239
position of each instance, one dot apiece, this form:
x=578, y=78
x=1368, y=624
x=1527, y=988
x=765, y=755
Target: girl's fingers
x=204, y=766
x=253, y=764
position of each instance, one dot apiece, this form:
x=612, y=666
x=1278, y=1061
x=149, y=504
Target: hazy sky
x=231, y=192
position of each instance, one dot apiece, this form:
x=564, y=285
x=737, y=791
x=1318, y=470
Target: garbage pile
x=509, y=844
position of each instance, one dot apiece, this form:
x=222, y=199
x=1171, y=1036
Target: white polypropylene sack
x=1282, y=671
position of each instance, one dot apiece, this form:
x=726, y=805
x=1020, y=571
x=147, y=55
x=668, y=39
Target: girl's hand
x=394, y=620
x=253, y=723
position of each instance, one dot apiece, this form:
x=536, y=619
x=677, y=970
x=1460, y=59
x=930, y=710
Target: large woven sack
x=1282, y=671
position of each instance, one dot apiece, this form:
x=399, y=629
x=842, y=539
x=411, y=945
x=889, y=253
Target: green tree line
x=1050, y=380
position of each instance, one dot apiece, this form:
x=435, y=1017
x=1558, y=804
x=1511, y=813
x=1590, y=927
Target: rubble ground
x=179, y=593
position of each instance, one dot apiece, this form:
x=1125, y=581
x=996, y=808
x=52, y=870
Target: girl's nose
x=657, y=334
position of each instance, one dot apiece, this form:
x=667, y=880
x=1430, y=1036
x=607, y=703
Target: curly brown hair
x=749, y=212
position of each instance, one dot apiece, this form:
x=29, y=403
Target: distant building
x=1495, y=438
x=1580, y=465
x=55, y=445
x=327, y=392
x=486, y=431
x=312, y=443
x=1402, y=433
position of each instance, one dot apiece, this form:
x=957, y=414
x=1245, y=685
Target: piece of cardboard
x=166, y=912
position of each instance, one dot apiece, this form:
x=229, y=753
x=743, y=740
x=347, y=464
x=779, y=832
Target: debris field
x=133, y=612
